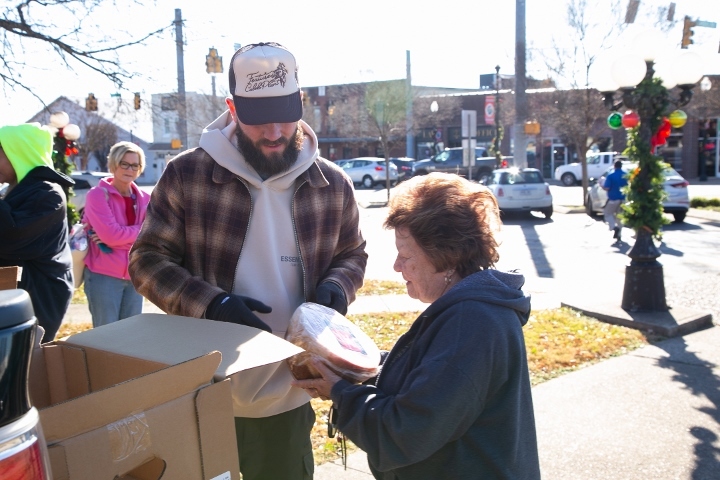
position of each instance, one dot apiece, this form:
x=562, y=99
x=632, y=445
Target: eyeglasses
x=124, y=165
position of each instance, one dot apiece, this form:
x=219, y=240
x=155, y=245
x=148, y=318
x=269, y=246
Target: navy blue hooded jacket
x=453, y=398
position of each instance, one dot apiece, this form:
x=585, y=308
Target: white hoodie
x=269, y=268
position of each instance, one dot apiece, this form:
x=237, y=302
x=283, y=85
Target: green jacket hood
x=27, y=146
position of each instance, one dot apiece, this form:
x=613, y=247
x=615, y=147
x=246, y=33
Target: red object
x=504, y=164
x=660, y=137
x=630, y=119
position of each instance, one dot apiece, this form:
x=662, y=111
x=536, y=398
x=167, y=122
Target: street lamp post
x=65, y=135
x=705, y=85
x=644, y=89
x=434, y=107
x=498, y=155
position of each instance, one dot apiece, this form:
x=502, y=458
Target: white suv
x=597, y=163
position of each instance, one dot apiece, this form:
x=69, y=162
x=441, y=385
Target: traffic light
x=213, y=63
x=91, y=103
x=687, y=32
x=137, y=101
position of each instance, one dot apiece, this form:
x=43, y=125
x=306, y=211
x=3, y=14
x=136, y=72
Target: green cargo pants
x=276, y=447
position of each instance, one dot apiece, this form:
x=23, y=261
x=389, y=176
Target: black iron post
x=704, y=154
x=644, y=288
x=498, y=155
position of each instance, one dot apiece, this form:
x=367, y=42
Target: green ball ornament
x=614, y=121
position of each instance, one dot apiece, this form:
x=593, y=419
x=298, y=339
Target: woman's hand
x=319, y=387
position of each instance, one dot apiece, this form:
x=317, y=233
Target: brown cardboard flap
x=172, y=339
x=216, y=403
x=8, y=278
x=105, y=406
x=58, y=463
x=66, y=369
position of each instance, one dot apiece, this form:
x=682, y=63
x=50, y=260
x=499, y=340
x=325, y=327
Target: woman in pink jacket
x=114, y=213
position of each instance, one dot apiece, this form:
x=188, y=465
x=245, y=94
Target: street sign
x=702, y=23
x=469, y=145
x=469, y=123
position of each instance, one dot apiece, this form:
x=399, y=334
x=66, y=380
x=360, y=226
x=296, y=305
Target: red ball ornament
x=660, y=137
x=630, y=119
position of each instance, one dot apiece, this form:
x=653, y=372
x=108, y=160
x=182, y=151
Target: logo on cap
x=258, y=81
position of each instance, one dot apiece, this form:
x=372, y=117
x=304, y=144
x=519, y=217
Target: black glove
x=331, y=295
x=237, y=309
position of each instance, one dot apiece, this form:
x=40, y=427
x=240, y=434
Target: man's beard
x=267, y=166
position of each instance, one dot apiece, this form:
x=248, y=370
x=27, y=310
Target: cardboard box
x=135, y=399
x=9, y=277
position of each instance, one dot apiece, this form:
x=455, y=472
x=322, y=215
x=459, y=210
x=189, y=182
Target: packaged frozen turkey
x=324, y=333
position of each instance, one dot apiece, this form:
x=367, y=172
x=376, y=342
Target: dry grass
x=382, y=287
x=557, y=340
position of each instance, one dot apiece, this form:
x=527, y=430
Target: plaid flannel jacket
x=192, y=238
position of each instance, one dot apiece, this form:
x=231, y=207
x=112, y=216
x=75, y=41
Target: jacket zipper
x=297, y=241
x=247, y=229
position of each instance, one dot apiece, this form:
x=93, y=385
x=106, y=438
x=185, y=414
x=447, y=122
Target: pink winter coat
x=106, y=215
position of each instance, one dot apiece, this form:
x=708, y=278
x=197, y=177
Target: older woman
x=453, y=397
x=114, y=213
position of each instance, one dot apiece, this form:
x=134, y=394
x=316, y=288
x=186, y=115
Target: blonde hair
x=118, y=151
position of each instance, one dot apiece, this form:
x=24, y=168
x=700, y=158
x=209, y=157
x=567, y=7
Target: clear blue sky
x=451, y=42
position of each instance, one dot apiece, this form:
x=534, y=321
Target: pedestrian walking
x=614, y=183
x=246, y=228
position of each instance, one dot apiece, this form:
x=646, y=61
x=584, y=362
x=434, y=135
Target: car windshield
x=518, y=177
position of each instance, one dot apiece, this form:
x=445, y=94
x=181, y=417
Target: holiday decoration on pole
x=614, y=120
x=65, y=135
x=677, y=118
x=662, y=134
x=630, y=119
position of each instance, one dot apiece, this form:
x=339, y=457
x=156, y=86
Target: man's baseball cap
x=264, y=84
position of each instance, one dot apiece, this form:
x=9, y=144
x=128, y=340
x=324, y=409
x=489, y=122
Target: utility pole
x=521, y=109
x=409, y=138
x=181, y=105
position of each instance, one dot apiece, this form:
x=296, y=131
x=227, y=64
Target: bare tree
x=66, y=27
x=575, y=110
x=98, y=136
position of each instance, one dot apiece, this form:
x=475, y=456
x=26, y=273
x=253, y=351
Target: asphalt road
x=570, y=254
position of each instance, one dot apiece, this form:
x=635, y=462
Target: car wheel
x=367, y=181
x=588, y=207
x=679, y=216
x=547, y=211
x=568, y=179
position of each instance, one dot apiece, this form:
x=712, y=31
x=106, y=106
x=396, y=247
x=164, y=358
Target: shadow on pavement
x=697, y=376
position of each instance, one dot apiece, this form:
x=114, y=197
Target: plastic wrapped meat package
x=324, y=333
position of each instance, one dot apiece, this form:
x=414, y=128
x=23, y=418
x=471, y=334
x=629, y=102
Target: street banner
x=489, y=110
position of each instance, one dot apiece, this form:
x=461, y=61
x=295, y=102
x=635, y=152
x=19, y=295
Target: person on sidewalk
x=246, y=228
x=114, y=212
x=614, y=183
x=33, y=222
x=453, y=398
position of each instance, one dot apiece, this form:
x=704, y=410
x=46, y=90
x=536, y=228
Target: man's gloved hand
x=238, y=309
x=331, y=295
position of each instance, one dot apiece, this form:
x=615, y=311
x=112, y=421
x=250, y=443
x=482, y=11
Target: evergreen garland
x=62, y=164
x=644, y=194
x=496, y=153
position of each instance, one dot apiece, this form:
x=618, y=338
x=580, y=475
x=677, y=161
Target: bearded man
x=247, y=227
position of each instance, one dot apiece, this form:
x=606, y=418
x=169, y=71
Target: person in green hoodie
x=33, y=222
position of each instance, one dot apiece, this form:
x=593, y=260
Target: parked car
x=597, y=163
x=404, y=166
x=23, y=451
x=677, y=202
x=521, y=190
x=84, y=181
x=450, y=160
x=368, y=171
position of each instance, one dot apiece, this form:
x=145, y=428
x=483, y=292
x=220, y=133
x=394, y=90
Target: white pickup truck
x=597, y=164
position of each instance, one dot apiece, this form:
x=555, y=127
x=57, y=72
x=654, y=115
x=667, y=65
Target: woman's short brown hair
x=452, y=219
x=118, y=151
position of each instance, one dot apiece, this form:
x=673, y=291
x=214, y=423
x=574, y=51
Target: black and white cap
x=264, y=84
